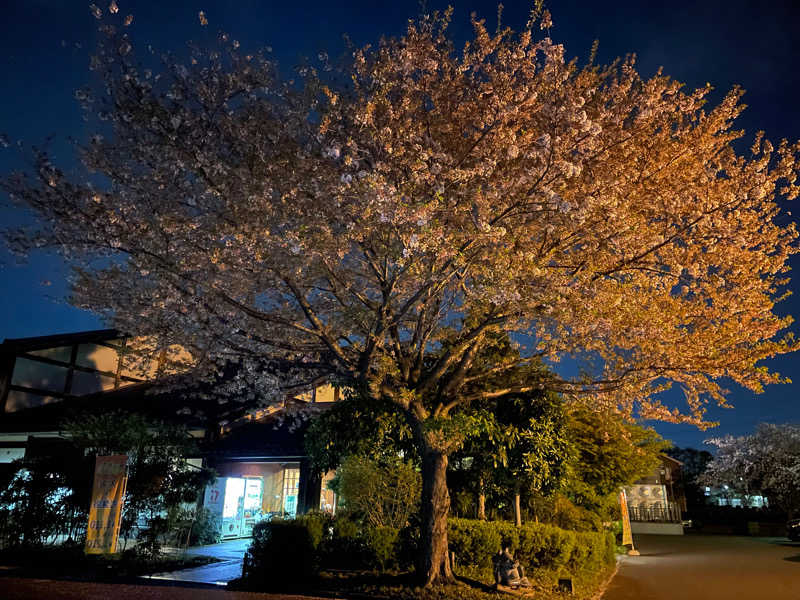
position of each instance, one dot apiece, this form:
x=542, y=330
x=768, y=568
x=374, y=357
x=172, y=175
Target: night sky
x=45, y=44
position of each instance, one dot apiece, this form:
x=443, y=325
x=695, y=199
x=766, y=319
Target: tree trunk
x=517, y=511
x=481, y=500
x=433, y=565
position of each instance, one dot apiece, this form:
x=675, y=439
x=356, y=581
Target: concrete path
x=698, y=567
x=230, y=556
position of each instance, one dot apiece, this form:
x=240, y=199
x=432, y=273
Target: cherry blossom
x=303, y=230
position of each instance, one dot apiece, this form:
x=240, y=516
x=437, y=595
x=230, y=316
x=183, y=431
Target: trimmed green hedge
x=285, y=552
x=536, y=546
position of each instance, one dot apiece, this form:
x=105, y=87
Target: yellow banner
x=110, y=478
x=627, y=537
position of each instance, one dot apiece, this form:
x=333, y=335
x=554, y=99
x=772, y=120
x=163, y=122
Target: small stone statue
x=507, y=571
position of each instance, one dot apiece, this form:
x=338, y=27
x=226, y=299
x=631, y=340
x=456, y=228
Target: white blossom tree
x=377, y=231
x=766, y=463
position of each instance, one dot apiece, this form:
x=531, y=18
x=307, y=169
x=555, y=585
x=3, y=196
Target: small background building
x=656, y=503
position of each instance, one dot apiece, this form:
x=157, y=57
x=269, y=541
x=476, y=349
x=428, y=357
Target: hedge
x=536, y=546
x=286, y=552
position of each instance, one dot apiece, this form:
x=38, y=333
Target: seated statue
x=508, y=571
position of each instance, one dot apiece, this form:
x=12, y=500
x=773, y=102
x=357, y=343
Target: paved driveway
x=230, y=555
x=698, y=567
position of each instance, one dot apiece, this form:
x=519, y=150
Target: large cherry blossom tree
x=377, y=231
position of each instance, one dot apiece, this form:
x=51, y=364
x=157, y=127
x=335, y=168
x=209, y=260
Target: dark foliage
x=46, y=499
x=161, y=487
x=694, y=463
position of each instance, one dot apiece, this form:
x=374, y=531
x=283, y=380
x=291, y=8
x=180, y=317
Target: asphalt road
x=12, y=588
x=698, y=567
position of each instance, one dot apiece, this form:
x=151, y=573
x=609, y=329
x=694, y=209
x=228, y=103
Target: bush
x=573, y=517
x=352, y=545
x=384, y=494
x=45, y=498
x=282, y=553
x=318, y=525
x=343, y=547
x=537, y=546
x=382, y=544
x=205, y=528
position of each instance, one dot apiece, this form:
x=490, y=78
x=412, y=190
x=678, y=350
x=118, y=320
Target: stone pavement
x=230, y=556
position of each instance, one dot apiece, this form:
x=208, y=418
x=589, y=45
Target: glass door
x=253, y=493
x=233, y=507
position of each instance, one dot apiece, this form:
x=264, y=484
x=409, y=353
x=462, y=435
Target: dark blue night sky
x=44, y=48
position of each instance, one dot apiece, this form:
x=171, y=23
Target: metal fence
x=669, y=514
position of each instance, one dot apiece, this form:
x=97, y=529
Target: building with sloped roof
x=259, y=455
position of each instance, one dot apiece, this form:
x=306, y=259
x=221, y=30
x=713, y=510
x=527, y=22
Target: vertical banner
x=627, y=538
x=110, y=478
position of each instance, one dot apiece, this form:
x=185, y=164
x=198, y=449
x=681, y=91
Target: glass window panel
x=305, y=396
x=273, y=487
x=62, y=353
x=140, y=359
x=89, y=383
x=8, y=455
x=139, y=367
x=327, y=498
x=20, y=400
x=35, y=374
x=325, y=393
x=97, y=357
x=177, y=360
x=291, y=485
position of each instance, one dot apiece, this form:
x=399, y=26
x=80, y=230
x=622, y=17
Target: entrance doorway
x=252, y=492
x=241, y=507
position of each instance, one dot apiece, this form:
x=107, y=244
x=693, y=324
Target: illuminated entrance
x=257, y=492
x=241, y=506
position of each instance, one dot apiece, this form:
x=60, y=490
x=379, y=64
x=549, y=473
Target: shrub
x=409, y=545
x=317, y=524
x=282, y=553
x=384, y=494
x=343, y=547
x=573, y=517
x=205, y=528
x=316, y=541
x=349, y=544
x=45, y=497
x=382, y=544
x=536, y=546
x=474, y=542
